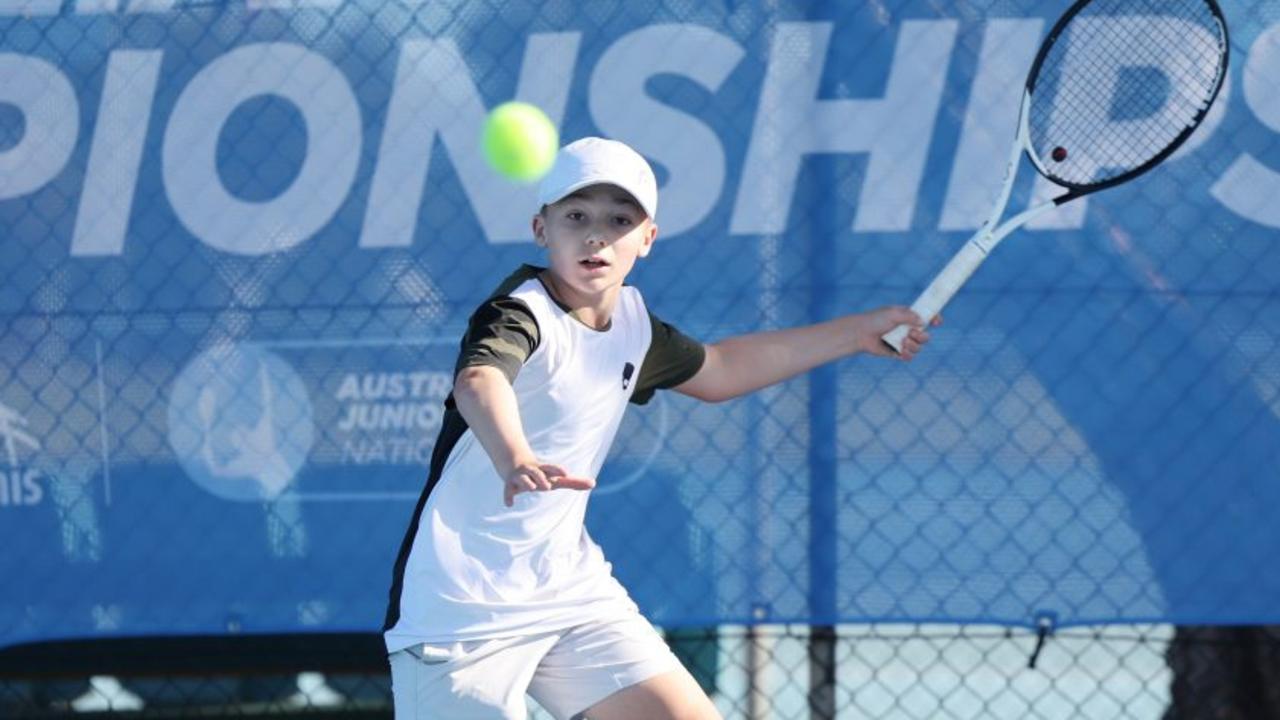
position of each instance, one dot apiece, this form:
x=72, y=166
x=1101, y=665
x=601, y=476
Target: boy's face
x=593, y=237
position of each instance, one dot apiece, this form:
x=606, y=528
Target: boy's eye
x=574, y=215
x=623, y=220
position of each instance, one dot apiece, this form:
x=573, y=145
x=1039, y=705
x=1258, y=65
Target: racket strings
x=1190, y=98
x=1121, y=83
x=1190, y=93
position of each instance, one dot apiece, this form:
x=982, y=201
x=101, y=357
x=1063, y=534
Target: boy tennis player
x=498, y=591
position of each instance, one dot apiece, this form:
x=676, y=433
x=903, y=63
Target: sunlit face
x=593, y=237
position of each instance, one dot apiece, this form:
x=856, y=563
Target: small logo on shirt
x=627, y=370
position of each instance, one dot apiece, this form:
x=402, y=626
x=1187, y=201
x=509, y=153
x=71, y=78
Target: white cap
x=595, y=161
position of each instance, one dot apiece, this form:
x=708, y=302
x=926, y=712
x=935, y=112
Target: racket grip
x=941, y=290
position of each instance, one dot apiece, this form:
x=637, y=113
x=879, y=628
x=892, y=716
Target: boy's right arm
x=488, y=403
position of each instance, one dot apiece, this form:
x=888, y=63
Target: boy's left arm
x=740, y=365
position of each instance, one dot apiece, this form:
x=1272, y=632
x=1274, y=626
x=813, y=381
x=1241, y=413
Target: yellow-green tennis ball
x=520, y=141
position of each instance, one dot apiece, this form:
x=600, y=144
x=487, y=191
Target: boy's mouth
x=593, y=263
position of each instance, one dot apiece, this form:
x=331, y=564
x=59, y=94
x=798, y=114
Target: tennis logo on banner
x=246, y=426
x=19, y=483
x=240, y=422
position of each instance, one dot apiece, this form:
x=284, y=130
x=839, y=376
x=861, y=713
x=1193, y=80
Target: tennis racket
x=1116, y=87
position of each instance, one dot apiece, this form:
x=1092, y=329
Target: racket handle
x=941, y=290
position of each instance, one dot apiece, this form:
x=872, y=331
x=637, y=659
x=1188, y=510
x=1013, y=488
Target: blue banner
x=242, y=239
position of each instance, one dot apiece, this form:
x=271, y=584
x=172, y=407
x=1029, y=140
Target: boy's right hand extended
x=536, y=476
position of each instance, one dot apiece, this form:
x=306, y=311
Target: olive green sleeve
x=673, y=357
x=502, y=333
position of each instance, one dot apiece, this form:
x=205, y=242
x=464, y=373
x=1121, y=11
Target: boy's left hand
x=872, y=325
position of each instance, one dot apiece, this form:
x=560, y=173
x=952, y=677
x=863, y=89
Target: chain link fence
x=241, y=241
x=869, y=671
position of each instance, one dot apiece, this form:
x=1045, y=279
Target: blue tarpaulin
x=241, y=241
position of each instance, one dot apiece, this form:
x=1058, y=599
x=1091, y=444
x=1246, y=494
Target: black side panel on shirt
x=451, y=430
x=501, y=333
x=673, y=357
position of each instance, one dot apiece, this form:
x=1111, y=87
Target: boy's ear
x=651, y=234
x=539, y=230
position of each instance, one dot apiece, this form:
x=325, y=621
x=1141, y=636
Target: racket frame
x=976, y=249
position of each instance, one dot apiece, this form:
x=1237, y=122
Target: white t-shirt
x=470, y=567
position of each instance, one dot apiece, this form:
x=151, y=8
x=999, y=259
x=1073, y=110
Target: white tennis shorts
x=566, y=671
